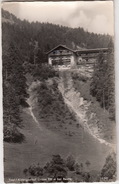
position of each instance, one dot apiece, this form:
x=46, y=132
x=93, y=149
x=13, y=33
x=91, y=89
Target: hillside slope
x=46, y=141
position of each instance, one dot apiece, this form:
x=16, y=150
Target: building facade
x=62, y=56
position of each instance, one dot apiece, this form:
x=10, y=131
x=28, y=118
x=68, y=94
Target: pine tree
x=14, y=90
x=102, y=85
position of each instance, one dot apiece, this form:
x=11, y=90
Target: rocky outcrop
x=80, y=107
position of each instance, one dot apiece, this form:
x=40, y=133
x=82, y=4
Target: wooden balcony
x=60, y=54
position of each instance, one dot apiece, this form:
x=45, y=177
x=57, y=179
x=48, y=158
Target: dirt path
x=32, y=114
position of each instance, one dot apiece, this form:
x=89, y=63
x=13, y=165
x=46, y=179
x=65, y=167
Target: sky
x=95, y=16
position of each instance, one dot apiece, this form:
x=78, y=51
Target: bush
x=56, y=168
x=23, y=103
x=80, y=77
x=109, y=168
x=28, y=67
x=77, y=168
x=70, y=163
x=35, y=170
x=43, y=72
x=11, y=134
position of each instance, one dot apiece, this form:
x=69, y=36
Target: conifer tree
x=14, y=90
x=102, y=85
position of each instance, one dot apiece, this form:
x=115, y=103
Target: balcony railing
x=60, y=54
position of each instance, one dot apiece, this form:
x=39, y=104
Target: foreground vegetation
x=59, y=170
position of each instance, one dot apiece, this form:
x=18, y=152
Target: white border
x=116, y=13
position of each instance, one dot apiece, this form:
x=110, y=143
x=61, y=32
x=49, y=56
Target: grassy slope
x=41, y=145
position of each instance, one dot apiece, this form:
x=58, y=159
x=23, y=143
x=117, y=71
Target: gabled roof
x=63, y=46
x=83, y=51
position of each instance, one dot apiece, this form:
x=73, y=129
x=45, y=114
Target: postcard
x=58, y=91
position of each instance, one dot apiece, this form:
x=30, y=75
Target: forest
x=102, y=85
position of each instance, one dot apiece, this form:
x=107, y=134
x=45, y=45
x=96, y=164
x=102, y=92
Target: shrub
x=43, y=72
x=109, y=168
x=80, y=77
x=70, y=163
x=56, y=168
x=11, y=134
x=35, y=170
x=77, y=168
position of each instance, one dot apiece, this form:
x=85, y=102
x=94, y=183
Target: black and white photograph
x=58, y=80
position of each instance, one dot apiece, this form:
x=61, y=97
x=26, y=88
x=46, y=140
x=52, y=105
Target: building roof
x=84, y=51
x=63, y=46
x=88, y=51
